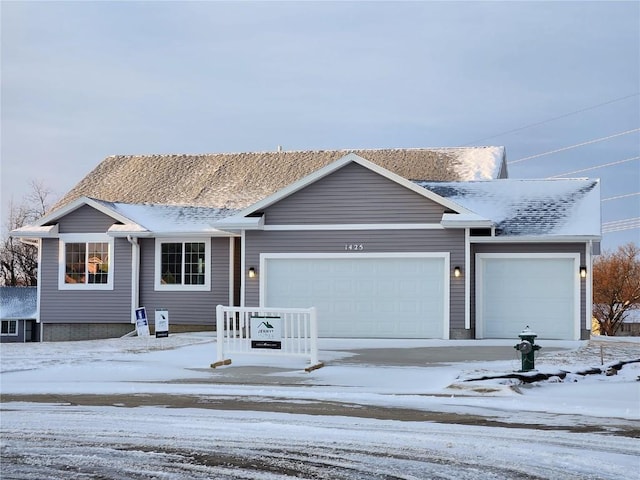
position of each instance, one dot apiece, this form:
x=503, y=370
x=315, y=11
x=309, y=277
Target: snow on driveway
x=583, y=427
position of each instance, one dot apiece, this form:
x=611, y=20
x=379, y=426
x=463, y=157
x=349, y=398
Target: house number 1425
x=354, y=246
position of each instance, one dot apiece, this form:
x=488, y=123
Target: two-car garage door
x=541, y=291
x=363, y=295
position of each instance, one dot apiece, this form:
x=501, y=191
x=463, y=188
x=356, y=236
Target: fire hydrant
x=527, y=349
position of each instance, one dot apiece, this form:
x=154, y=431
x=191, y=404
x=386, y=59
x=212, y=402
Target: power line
x=554, y=118
x=610, y=164
x=574, y=146
x=621, y=225
x=620, y=196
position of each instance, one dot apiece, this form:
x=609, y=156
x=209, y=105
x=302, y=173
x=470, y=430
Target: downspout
x=135, y=276
x=243, y=285
x=38, y=244
x=589, y=285
x=467, y=279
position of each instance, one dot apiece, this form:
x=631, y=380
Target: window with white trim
x=9, y=327
x=86, y=262
x=182, y=264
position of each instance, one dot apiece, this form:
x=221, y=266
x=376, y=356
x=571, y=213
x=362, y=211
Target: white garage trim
x=264, y=257
x=480, y=266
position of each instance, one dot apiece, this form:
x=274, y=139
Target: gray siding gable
x=85, y=219
x=353, y=194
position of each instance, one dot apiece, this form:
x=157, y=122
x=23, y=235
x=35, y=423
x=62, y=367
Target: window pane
x=75, y=254
x=171, y=263
x=5, y=326
x=98, y=263
x=194, y=267
x=13, y=327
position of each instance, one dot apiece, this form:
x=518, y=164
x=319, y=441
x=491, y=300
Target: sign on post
x=142, y=324
x=162, y=323
x=266, y=332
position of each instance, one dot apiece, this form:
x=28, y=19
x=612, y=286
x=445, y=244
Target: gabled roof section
x=237, y=180
x=518, y=208
x=101, y=206
x=18, y=303
x=337, y=165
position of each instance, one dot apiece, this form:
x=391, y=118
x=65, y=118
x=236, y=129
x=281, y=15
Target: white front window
x=85, y=262
x=10, y=327
x=182, y=264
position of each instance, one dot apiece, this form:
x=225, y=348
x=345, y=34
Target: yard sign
x=142, y=324
x=162, y=323
x=266, y=332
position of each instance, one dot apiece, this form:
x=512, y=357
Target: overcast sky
x=84, y=80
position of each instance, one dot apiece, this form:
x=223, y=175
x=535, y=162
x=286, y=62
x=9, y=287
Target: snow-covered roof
x=18, y=303
x=485, y=163
x=165, y=219
x=558, y=207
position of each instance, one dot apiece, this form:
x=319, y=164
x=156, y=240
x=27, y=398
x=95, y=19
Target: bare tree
x=18, y=259
x=616, y=287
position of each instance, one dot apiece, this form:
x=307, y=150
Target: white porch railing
x=296, y=332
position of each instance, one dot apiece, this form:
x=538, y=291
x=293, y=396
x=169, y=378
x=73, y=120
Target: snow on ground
x=413, y=422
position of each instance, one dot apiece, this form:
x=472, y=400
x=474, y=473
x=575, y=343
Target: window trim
x=157, y=275
x=84, y=238
x=8, y=334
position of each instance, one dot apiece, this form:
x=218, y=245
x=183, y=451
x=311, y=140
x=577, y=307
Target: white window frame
x=84, y=238
x=8, y=334
x=157, y=276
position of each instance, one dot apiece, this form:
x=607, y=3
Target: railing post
x=313, y=326
x=220, y=332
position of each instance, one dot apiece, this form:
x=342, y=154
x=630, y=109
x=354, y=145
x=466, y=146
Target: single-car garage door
x=538, y=290
x=363, y=296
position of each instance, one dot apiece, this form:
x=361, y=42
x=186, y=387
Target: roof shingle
x=237, y=180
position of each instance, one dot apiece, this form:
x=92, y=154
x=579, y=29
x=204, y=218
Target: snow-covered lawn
x=152, y=408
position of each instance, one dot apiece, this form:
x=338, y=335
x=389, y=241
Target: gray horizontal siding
x=85, y=306
x=353, y=194
x=85, y=219
x=373, y=241
x=528, y=248
x=186, y=308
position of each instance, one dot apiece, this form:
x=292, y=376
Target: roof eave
x=537, y=238
x=237, y=222
x=468, y=220
x=47, y=231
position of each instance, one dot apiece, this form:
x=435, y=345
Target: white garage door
x=541, y=292
x=363, y=296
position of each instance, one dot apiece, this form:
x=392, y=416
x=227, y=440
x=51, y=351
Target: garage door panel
x=534, y=291
x=363, y=297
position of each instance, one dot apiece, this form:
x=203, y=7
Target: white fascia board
x=355, y=226
x=32, y=231
x=338, y=164
x=191, y=234
x=535, y=239
x=123, y=233
x=465, y=220
x=240, y=223
x=70, y=207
